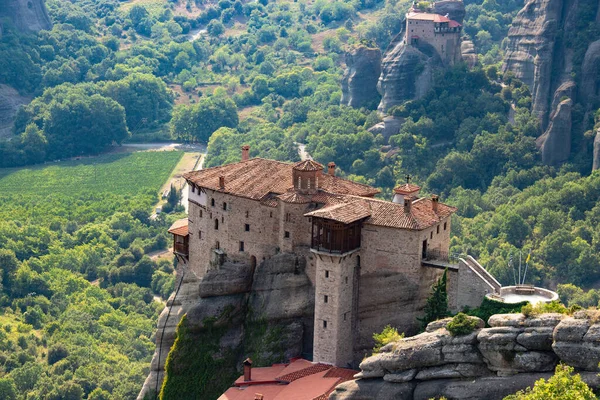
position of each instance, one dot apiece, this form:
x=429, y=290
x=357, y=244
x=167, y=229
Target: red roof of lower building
x=298, y=380
x=180, y=227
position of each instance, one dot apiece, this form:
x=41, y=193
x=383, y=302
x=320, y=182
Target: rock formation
x=538, y=53
x=469, y=55
x=454, y=9
x=10, y=101
x=27, y=15
x=489, y=363
x=406, y=74
x=277, y=294
x=555, y=143
x=359, y=84
x=596, y=164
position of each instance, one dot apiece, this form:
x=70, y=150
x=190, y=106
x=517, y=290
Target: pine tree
x=437, y=303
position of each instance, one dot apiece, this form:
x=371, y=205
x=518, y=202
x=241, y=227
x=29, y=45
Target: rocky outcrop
x=406, y=74
x=596, y=164
x=388, y=127
x=555, y=143
x=359, y=84
x=590, y=76
x=468, y=53
x=276, y=297
x=27, y=15
x=540, y=52
x=489, y=363
x=10, y=101
x=454, y=9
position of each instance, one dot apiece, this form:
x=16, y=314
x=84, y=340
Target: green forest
x=80, y=295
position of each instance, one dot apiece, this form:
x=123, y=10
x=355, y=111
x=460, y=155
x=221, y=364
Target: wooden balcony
x=335, y=237
x=181, y=249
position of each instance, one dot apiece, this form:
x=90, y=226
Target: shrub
x=532, y=310
x=386, y=336
x=563, y=385
x=461, y=324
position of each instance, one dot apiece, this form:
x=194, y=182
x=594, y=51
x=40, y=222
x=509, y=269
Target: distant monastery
x=371, y=262
x=438, y=31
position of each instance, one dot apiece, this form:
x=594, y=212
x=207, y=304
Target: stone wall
x=489, y=363
x=467, y=286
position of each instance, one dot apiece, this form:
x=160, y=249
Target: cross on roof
x=407, y=178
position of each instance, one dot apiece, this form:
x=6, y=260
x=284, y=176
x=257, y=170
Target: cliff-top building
x=371, y=262
x=436, y=30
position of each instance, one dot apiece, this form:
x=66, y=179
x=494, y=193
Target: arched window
x=216, y=224
x=308, y=184
x=212, y=202
x=299, y=182
x=224, y=206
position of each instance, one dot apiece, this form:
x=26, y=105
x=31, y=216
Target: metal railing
x=439, y=255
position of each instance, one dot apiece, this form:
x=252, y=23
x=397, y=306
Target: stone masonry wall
x=466, y=288
x=489, y=363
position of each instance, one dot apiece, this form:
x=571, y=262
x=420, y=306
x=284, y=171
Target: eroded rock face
x=555, y=143
x=27, y=15
x=590, y=79
x=10, y=101
x=469, y=55
x=455, y=9
x=406, y=74
x=596, y=164
x=359, y=84
x=530, y=51
x=278, y=294
x=487, y=364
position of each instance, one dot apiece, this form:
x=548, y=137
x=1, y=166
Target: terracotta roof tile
x=385, y=213
x=308, y=165
x=407, y=188
x=421, y=16
x=179, y=227
x=257, y=177
x=313, y=369
x=294, y=197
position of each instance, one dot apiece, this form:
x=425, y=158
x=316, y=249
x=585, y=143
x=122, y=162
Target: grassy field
x=83, y=190
x=124, y=174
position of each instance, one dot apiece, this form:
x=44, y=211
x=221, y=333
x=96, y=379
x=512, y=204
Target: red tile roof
x=179, y=227
x=298, y=380
x=385, y=213
x=257, y=177
x=427, y=17
x=308, y=165
x=407, y=188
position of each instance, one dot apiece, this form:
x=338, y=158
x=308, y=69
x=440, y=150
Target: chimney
x=247, y=370
x=435, y=200
x=331, y=168
x=258, y=396
x=245, y=152
x=221, y=182
x=407, y=204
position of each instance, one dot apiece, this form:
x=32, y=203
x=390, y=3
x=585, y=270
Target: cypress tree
x=437, y=303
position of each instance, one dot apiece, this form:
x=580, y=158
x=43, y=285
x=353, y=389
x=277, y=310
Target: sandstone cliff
x=10, y=101
x=596, y=164
x=359, y=84
x=489, y=363
x=555, y=143
x=545, y=49
x=406, y=74
x=266, y=314
x=27, y=15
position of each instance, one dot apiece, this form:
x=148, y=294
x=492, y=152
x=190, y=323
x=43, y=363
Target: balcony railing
x=439, y=255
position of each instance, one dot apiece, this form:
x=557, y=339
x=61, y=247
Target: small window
x=271, y=214
x=288, y=217
x=217, y=245
x=241, y=246
x=222, y=219
x=346, y=280
x=193, y=189
x=438, y=229
x=325, y=299
x=345, y=314
x=212, y=202
x=247, y=227
x=286, y=235
x=199, y=234
x=324, y=324
x=431, y=235
x=225, y=206
x=216, y=224
x=200, y=213
x=247, y=213
x=326, y=274
x=445, y=224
